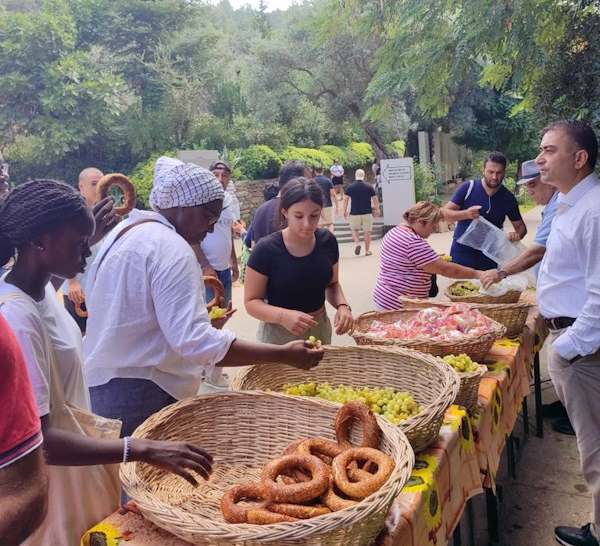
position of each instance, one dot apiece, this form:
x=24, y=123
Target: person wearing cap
x=364, y=203
x=149, y=341
x=216, y=253
x=490, y=199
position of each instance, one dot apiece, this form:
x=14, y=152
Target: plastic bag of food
x=494, y=243
x=515, y=282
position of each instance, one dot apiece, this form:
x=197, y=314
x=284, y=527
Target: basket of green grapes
x=470, y=374
x=410, y=389
x=470, y=292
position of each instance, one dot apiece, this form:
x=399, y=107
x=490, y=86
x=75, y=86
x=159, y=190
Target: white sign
x=398, y=187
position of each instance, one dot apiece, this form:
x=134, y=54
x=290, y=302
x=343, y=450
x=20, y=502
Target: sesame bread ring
x=122, y=182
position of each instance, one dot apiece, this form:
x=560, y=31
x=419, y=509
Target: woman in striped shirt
x=408, y=261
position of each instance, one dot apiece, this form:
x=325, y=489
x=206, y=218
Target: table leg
x=491, y=502
x=456, y=538
x=510, y=455
x=537, y=388
x=525, y=417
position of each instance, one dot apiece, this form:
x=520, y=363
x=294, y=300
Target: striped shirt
x=403, y=254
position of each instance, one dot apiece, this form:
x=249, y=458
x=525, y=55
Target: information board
x=398, y=188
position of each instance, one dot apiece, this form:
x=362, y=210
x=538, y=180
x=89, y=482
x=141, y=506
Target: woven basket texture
x=477, y=348
x=513, y=316
x=512, y=296
x=243, y=431
x=432, y=382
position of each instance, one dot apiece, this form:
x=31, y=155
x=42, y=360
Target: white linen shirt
x=218, y=244
x=147, y=313
x=569, y=281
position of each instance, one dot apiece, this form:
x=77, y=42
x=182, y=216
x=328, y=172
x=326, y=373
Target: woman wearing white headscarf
x=149, y=340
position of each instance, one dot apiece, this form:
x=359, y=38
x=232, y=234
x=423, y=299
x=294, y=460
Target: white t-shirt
x=235, y=203
x=65, y=338
x=217, y=245
x=147, y=313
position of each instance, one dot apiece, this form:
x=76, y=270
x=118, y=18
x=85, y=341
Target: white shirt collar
x=579, y=190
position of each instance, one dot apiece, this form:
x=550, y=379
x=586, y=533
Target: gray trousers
x=578, y=387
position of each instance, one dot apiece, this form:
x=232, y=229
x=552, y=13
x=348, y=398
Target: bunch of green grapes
x=461, y=363
x=464, y=288
x=394, y=405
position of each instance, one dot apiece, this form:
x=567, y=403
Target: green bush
x=337, y=154
x=426, y=184
x=142, y=176
x=309, y=156
x=360, y=154
x=256, y=162
x=399, y=147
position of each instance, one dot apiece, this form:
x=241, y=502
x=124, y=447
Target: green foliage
x=427, y=185
x=308, y=156
x=142, y=176
x=337, y=154
x=258, y=161
x=360, y=154
x=399, y=147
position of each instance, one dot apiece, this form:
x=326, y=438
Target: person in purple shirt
x=495, y=203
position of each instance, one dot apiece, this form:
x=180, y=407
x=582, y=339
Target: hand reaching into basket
x=489, y=277
x=301, y=354
x=176, y=457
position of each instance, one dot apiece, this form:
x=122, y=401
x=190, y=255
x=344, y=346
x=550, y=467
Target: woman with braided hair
x=47, y=227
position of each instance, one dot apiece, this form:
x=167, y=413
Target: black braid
x=34, y=208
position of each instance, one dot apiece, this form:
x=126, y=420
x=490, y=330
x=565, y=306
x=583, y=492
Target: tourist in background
x=408, y=262
x=292, y=272
x=337, y=179
x=329, y=196
x=364, y=204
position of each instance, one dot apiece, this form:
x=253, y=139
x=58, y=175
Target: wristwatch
x=502, y=274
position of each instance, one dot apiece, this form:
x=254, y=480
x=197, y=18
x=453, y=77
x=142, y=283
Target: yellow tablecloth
x=465, y=459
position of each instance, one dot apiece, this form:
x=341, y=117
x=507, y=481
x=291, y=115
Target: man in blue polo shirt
x=496, y=203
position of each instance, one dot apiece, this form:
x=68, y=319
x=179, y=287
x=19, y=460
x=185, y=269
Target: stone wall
x=250, y=195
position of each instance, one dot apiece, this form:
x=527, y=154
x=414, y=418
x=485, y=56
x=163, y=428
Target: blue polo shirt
x=495, y=209
x=543, y=230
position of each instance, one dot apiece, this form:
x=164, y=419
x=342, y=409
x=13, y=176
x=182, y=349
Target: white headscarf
x=179, y=184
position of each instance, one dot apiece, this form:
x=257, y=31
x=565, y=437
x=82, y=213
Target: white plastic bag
x=494, y=243
x=516, y=282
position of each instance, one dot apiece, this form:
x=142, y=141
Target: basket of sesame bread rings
x=279, y=475
x=409, y=389
x=513, y=316
x=457, y=329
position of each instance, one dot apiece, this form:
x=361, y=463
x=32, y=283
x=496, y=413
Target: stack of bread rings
x=315, y=476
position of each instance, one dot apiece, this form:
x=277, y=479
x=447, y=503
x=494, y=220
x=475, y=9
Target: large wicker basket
x=511, y=315
x=243, y=431
x=477, y=348
x=512, y=296
x=433, y=384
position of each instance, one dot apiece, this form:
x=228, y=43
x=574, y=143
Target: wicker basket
x=434, y=385
x=512, y=296
x=477, y=348
x=469, y=388
x=511, y=315
x=243, y=431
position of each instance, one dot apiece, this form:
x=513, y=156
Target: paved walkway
x=549, y=489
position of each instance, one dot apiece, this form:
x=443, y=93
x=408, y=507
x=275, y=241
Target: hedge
x=308, y=156
x=257, y=161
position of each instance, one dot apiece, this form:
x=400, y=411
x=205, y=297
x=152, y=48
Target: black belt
x=559, y=323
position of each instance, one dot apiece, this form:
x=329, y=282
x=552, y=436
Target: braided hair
x=34, y=208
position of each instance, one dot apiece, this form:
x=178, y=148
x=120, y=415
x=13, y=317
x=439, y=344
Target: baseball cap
x=219, y=164
x=529, y=171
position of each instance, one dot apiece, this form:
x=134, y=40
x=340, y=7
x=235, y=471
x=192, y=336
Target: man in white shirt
x=569, y=298
x=216, y=252
x=149, y=340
